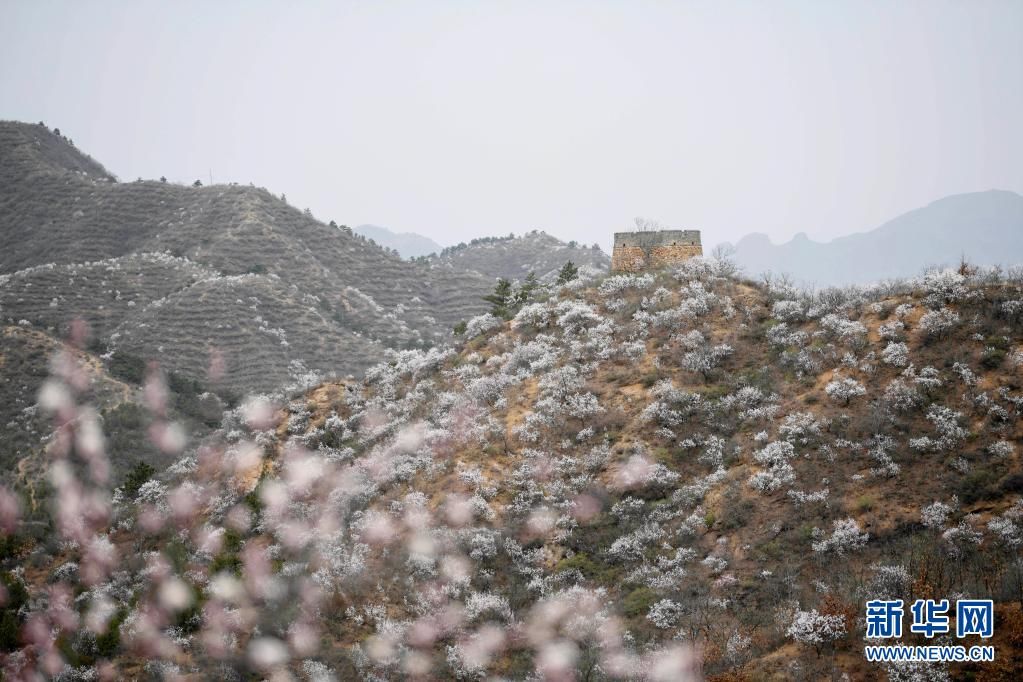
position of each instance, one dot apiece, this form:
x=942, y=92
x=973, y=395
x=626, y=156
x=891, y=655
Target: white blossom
x=845, y=537
x=844, y=389
x=811, y=627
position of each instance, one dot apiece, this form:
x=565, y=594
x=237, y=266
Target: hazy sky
x=462, y=119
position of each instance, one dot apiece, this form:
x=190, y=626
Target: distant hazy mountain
x=407, y=244
x=514, y=257
x=985, y=227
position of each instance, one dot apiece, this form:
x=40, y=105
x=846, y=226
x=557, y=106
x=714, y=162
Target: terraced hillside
x=114, y=388
x=679, y=476
x=190, y=271
x=158, y=306
x=515, y=257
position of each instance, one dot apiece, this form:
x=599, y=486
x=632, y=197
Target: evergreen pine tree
x=525, y=291
x=500, y=299
x=569, y=271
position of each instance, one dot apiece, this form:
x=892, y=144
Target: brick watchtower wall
x=638, y=251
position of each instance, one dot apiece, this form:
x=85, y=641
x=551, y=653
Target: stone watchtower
x=638, y=251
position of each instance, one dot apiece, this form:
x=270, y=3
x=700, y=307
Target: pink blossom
x=585, y=507
x=676, y=663
x=168, y=436
x=217, y=365
x=267, y=652
x=10, y=511
x=556, y=660
x=259, y=413
x=457, y=510
x=155, y=391
x=634, y=473
x=379, y=530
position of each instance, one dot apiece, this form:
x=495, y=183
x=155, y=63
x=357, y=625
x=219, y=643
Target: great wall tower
x=638, y=251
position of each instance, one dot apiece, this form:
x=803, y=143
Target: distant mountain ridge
x=986, y=228
x=511, y=257
x=407, y=244
x=514, y=257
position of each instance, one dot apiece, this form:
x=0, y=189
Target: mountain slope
x=113, y=385
x=665, y=477
x=984, y=227
x=60, y=210
x=407, y=244
x=35, y=150
x=515, y=257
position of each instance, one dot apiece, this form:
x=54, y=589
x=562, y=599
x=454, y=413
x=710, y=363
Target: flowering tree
x=816, y=629
x=844, y=389
x=936, y=514
x=845, y=538
x=896, y=353
x=937, y=324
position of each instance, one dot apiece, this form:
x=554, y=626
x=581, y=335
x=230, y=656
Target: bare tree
x=648, y=225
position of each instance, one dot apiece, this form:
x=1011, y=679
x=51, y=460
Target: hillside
x=407, y=244
x=218, y=266
x=514, y=257
x=660, y=477
x=985, y=228
x=114, y=387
